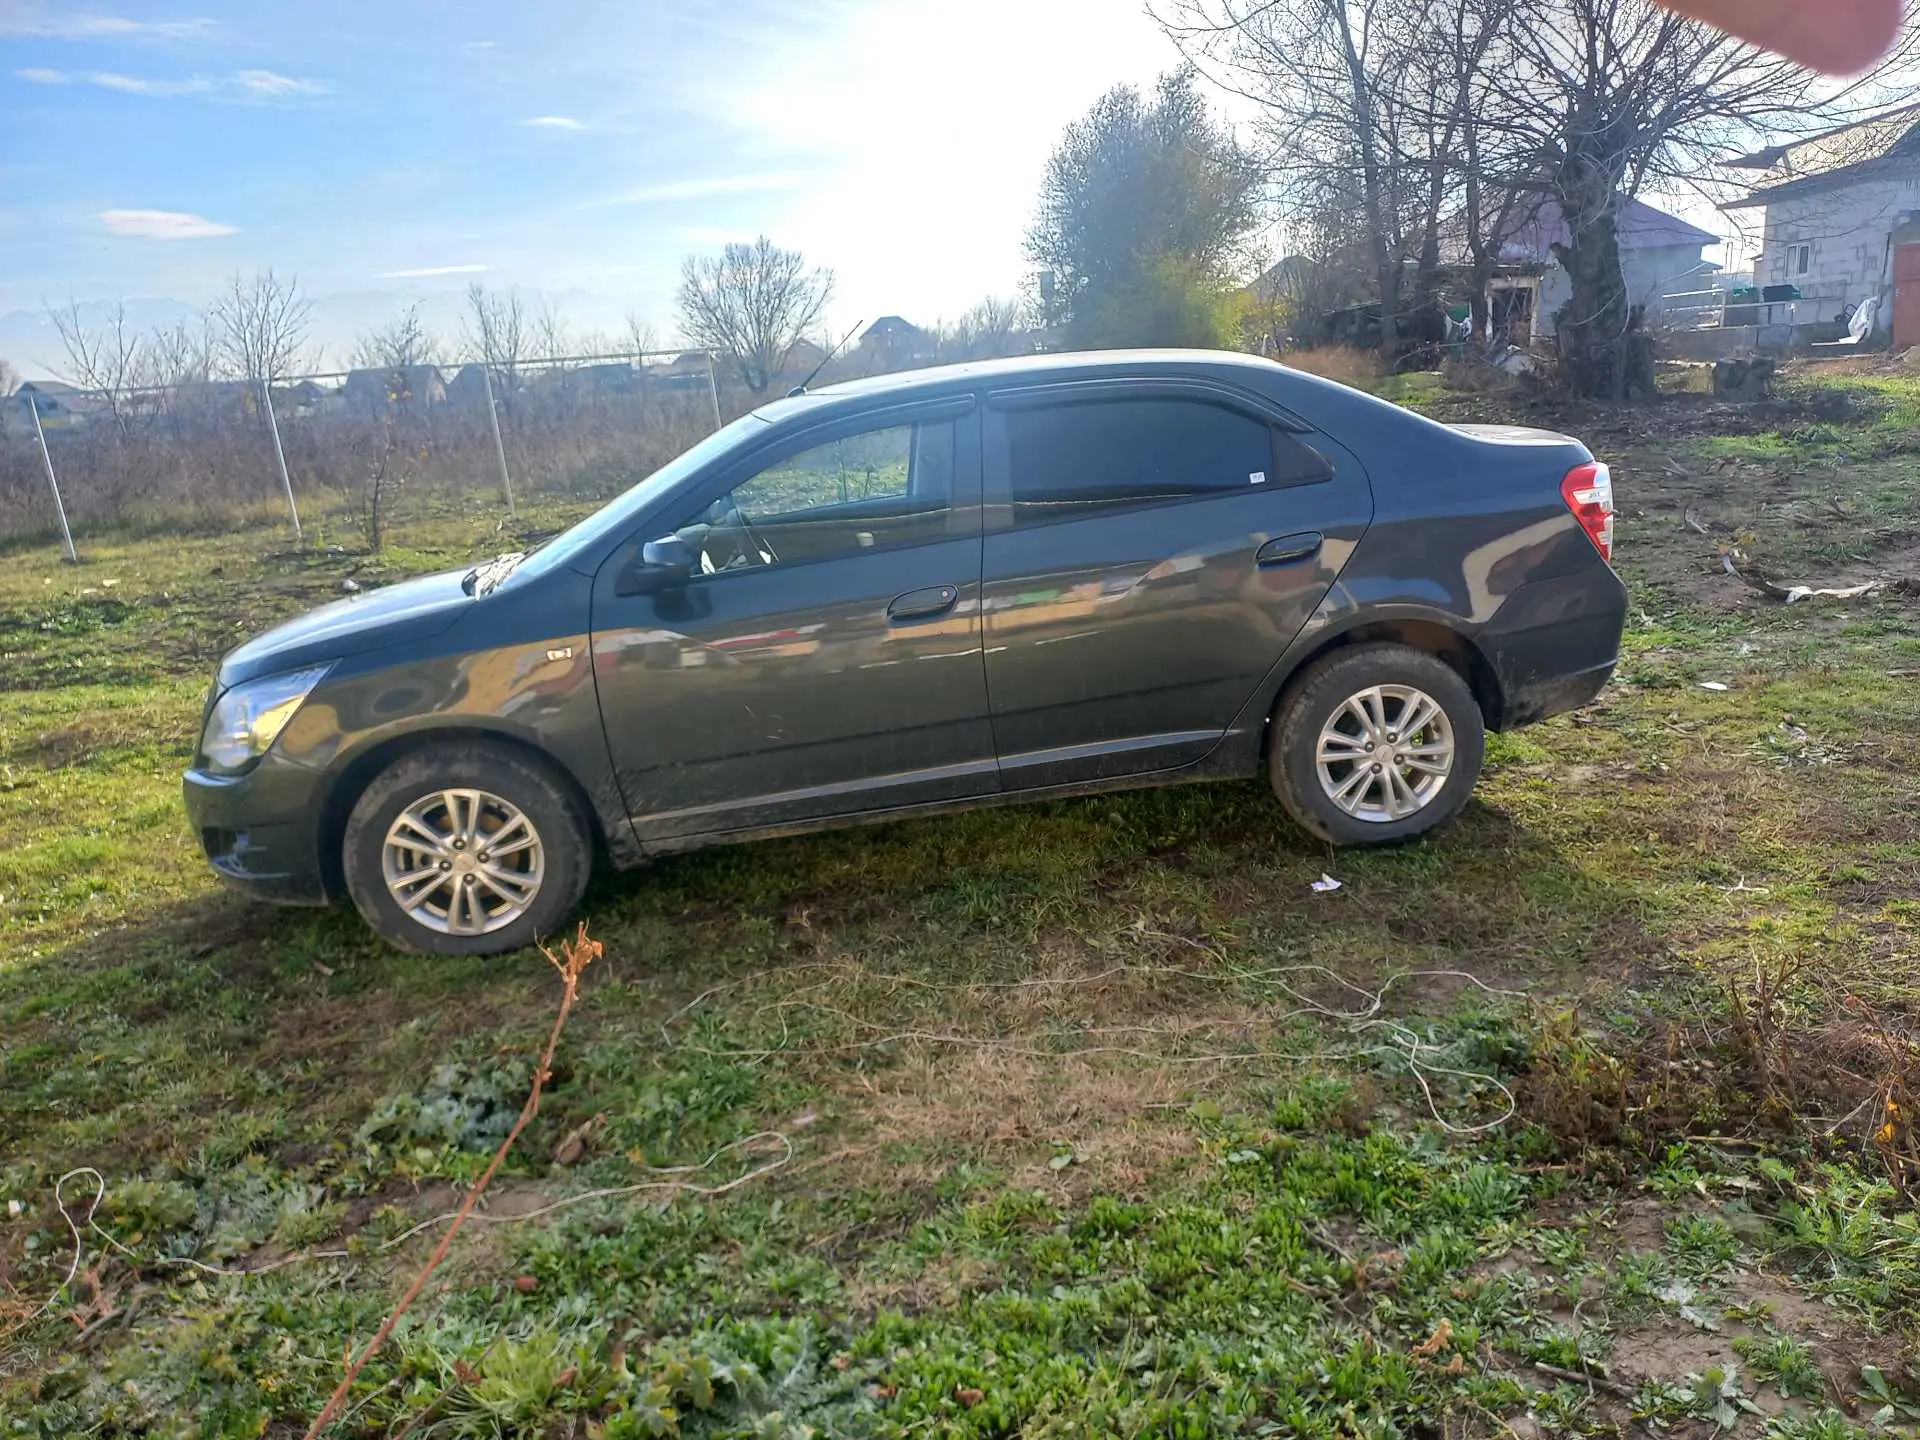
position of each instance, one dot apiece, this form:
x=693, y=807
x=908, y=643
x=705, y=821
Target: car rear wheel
x=1376, y=744
x=467, y=849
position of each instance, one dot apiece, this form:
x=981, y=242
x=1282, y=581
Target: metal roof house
x=1841, y=219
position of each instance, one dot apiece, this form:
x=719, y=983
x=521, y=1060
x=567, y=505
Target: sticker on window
x=1258, y=477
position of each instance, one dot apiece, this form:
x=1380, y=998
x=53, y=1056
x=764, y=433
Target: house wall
x=1848, y=228
x=1651, y=272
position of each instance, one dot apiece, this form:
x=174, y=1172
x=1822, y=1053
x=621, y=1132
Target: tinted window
x=877, y=490
x=1067, y=460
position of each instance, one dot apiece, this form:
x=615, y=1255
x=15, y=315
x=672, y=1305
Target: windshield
x=622, y=511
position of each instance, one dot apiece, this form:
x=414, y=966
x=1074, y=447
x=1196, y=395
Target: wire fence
x=209, y=452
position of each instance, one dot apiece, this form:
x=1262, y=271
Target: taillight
x=1588, y=490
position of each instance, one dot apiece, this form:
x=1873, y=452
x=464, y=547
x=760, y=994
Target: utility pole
x=499, y=446
x=279, y=454
x=59, y=505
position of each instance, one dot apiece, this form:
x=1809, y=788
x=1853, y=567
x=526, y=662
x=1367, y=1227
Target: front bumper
x=260, y=831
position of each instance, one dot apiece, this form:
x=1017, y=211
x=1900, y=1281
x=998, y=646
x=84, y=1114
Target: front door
x=1150, y=554
x=823, y=656
x=1906, y=296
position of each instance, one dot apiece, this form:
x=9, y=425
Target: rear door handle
x=1290, y=549
x=926, y=604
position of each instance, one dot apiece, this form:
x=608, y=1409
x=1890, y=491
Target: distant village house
x=1841, y=221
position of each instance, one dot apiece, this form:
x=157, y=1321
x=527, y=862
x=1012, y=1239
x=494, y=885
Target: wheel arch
x=345, y=787
x=1417, y=632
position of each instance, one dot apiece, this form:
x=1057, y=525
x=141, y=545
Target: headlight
x=249, y=718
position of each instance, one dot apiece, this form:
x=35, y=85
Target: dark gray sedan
x=1011, y=580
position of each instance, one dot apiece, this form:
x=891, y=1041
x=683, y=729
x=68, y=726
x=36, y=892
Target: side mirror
x=663, y=564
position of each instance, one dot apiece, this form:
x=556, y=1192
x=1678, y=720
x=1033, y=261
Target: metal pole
x=286, y=480
x=713, y=389
x=59, y=505
x=499, y=446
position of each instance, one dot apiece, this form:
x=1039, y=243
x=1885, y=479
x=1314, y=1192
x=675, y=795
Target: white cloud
x=23, y=18
x=555, y=122
x=704, y=188
x=270, y=85
x=263, y=85
x=474, y=47
x=163, y=224
x=426, y=270
x=144, y=85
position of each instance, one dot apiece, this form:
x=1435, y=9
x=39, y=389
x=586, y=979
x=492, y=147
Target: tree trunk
x=1605, y=353
x=1386, y=259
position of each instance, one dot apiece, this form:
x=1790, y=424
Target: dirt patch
x=1118, y=1122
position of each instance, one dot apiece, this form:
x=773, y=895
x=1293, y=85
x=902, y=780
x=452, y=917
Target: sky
x=383, y=151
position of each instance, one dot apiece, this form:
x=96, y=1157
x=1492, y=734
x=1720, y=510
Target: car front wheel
x=466, y=849
x=1376, y=744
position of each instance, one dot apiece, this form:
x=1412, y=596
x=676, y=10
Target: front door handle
x=926, y=604
x=1290, y=549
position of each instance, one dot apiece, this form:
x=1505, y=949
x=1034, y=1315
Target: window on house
x=1799, y=260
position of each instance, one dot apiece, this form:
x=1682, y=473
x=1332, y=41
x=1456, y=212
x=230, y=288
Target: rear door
x=1151, y=550
x=824, y=657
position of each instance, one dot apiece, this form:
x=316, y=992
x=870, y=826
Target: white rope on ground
x=1407, y=1048
x=99, y=1196
x=611, y=1191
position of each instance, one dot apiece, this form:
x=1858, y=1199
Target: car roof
x=1018, y=369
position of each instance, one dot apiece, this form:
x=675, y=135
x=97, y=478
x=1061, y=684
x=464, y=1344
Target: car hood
x=411, y=610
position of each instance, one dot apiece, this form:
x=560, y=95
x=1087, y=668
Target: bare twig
x=1586, y=1377
x=574, y=957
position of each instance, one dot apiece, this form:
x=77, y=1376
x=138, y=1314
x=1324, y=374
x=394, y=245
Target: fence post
x=499, y=446
x=713, y=389
x=280, y=455
x=59, y=505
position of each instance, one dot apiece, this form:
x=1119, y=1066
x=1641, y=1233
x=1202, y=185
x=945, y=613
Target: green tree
x=1169, y=300
x=1144, y=218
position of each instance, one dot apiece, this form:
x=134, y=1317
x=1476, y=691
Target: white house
x=1661, y=260
x=1842, y=220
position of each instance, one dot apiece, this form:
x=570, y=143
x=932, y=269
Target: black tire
x=1314, y=699
x=524, y=782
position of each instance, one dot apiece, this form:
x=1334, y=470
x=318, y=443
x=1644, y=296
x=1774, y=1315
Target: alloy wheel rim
x=1385, y=754
x=463, y=862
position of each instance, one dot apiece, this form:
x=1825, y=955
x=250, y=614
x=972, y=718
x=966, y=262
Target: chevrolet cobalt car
x=992, y=582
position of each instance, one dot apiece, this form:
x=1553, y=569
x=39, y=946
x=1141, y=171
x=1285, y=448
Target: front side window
x=1069, y=460
x=878, y=490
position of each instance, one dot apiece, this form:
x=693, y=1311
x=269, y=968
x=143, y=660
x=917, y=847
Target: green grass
x=1076, y=1119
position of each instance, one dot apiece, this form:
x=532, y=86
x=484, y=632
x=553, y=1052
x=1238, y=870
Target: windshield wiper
x=487, y=575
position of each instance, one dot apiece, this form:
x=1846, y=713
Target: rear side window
x=1070, y=460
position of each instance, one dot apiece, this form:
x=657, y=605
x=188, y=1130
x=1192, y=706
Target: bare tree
x=107, y=357
x=260, y=326
x=1623, y=95
x=182, y=354
x=752, y=303
x=639, y=338
x=497, y=332
x=9, y=379
x=1358, y=145
x=988, y=329
x=552, y=340
x=400, y=344
x=1478, y=114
